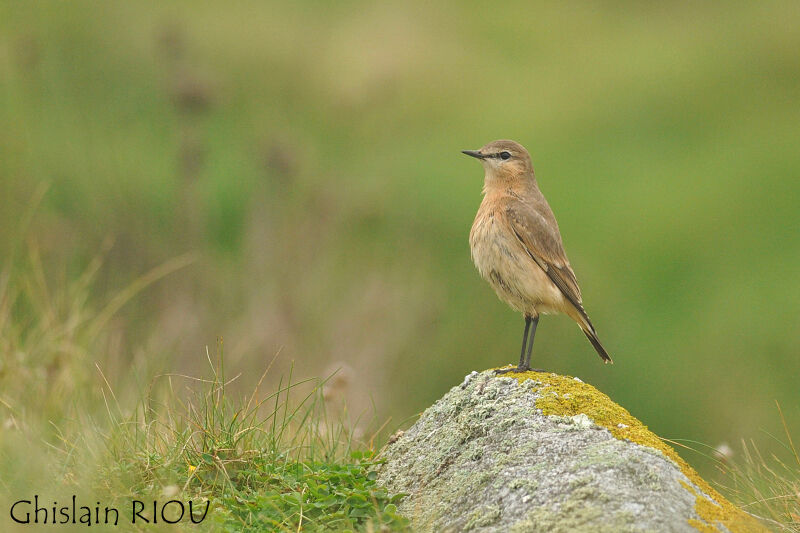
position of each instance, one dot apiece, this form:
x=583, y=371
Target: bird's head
x=503, y=159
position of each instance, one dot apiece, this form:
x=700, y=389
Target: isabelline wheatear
x=517, y=247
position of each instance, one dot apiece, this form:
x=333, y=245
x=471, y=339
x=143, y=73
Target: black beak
x=473, y=153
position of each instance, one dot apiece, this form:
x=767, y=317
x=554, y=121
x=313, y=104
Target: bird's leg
x=524, y=341
x=520, y=367
x=527, y=364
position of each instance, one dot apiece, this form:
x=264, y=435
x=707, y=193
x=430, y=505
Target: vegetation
x=767, y=486
x=283, y=468
x=263, y=463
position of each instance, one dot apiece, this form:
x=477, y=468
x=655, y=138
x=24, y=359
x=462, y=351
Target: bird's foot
x=517, y=370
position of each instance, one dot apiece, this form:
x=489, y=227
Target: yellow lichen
x=566, y=396
x=711, y=513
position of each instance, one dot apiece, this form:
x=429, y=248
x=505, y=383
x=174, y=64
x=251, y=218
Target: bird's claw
x=516, y=370
x=513, y=369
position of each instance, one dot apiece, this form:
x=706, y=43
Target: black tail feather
x=592, y=336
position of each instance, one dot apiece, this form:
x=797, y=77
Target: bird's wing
x=538, y=235
x=541, y=240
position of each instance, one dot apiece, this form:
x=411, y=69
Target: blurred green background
x=308, y=152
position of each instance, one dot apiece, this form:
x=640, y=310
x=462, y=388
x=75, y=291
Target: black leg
x=521, y=367
x=527, y=364
x=524, y=340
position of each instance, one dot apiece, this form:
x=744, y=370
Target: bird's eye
x=505, y=155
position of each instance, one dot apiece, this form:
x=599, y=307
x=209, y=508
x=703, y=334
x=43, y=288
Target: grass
x=263, y=465
x=277, y=461
x=768, y=486
x=764, y=485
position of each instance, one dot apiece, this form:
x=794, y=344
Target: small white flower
x=723, y=452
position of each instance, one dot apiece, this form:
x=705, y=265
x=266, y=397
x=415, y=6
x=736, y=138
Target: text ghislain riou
x=140, y=512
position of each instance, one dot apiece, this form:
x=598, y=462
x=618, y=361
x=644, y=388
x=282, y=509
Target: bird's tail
x=592, y=336
x=580, y=316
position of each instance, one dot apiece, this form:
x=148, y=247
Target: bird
x=516, y=247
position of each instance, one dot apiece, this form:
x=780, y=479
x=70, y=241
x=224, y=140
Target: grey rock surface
x=485, y=458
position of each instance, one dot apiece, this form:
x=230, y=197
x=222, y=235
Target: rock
x=543, y=452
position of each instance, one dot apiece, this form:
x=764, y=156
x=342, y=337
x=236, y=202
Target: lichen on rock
x=543, y=452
